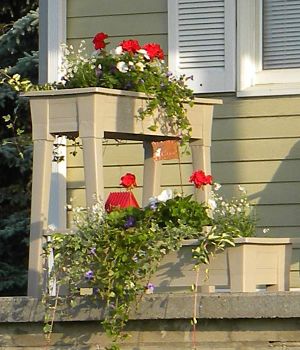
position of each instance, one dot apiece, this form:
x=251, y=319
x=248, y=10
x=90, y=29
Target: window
x=281, y=34
x=202, y=43
x=268, y=47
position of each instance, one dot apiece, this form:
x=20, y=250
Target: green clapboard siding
x=141, y=19
x=84, y=27
x=88, y=8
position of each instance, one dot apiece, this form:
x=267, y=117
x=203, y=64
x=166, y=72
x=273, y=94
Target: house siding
x=255, y=140
x=143, y=20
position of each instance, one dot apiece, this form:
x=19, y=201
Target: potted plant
x=247, y=263
x=116, y=256
x=129, y=80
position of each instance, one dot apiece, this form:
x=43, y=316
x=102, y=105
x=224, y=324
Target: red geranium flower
x=128, y=181
x=154, y=50
x=200, y=179
x=99, y=42
x=130, y=45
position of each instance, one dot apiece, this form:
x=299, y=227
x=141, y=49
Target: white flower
x=130, y=63
x=212, y=204
x=217, y=186
x=152, y=202
x=266, y=230
x=144, y=53
x=118, y=50
x=122, y=67
x=140, y=66
x=232, y=211
x=52, y=227
x=165, y=195
x=242, y=189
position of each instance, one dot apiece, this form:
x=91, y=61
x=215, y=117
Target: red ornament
x=117, y=200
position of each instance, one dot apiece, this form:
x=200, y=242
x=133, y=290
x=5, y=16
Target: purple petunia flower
x=150, y=288
x=113, y=69
x=93, y=251
x=98, y=72
x=128, y=86
x=130, y=222
x=89, y=275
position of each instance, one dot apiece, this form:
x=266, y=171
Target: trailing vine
x=115, y=254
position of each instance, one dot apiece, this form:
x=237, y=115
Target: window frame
x=252, y=79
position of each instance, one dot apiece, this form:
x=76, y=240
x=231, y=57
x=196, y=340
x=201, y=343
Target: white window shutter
x=202, y=43
x=281, y=44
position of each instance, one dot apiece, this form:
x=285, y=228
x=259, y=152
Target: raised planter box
x=253, y=262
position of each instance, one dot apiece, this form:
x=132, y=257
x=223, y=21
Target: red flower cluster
x=99, y=42
x=128, y=181
x=200, y=179
x=154, y=50
x=131, y=46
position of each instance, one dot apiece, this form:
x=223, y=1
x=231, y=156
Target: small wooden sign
x=165, y=150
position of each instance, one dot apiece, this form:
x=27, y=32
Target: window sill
x=270, y=90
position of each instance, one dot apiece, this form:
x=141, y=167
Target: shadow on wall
x=278, y=202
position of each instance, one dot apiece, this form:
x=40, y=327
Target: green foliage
x=116, y=254
x=235, y=217
x=27, y=66
x=11, y=10
x=15, y=175
x=229, y=219
x=18, y=45
x=21, y=37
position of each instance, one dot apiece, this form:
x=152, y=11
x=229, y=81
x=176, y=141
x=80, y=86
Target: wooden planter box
x=94, y=114
x=251, y=263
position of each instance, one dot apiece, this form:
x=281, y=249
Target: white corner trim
x=52, y=33
x=173, y=36
x=53, y=14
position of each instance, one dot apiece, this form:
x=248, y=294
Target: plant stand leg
x=93, y=169
x=42, y=157
x=152, y=172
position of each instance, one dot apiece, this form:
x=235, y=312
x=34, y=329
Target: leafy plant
x=115, y=254
x=133, y=67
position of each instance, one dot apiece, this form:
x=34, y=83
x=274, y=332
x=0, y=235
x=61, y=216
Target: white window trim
x=52, y=34
x=252, y=80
